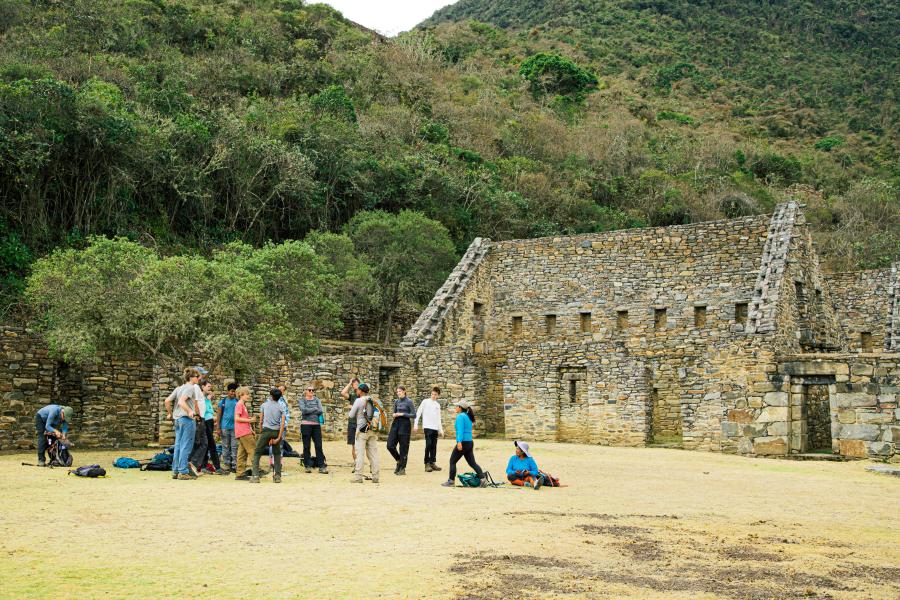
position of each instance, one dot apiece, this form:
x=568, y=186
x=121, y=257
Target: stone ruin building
x=723, y=336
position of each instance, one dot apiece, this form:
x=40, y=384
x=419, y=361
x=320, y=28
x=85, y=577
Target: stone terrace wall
x=27, y=383
x=112, y=400
x=861, y=301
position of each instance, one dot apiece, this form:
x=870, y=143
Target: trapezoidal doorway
x=573, y=422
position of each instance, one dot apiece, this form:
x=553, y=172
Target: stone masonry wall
x=861, y=301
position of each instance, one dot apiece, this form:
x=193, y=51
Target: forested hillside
x=185, y=124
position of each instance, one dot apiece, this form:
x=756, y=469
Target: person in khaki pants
x=243, y=431
x=366, y=434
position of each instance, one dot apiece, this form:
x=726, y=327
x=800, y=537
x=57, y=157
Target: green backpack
x=469, y=480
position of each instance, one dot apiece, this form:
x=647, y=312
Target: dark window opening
x=517, y=326
x=740, y=313
x=622, y=319
x=659, y=318
x=585, y=322
x=699, y=316
x=573, y=391
x=550, y=321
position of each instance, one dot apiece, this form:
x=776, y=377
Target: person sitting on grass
x=521, y=469
x=271, y=425
x=52, y=420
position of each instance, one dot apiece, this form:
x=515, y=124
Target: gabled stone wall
x=861, y=300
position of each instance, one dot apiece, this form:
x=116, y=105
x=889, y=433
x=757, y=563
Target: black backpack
x=59, y=454
x=160, y=462
x=89, y=471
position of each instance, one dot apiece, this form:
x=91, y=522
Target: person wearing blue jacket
x=465, y=445
x=52, y=420
x=521, y=469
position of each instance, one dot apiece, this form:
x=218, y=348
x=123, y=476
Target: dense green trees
x=241, y=308
x=190, y=124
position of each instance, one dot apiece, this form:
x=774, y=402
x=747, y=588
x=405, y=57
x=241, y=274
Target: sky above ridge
x=388, y=17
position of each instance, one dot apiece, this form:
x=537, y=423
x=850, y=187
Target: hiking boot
x=186, y=477
x=374, y=480
x=537, y=483
x=357, y=480
x=527, y=484
x=434, y=467
x=397, y=470
x=242, y=478
x=42, y=463
x=194, y=470
x=428, y=468
x=449, y=483
x=308, y=470
x=253, y=480
x=206, y=471
x=276, y=479
x=401, y=472
x=223, y=472
x=323, y=470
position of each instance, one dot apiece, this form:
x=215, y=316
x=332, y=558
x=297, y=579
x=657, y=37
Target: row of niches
x=658, y=318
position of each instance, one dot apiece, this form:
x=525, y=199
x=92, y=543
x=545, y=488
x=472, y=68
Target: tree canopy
x=240, y=308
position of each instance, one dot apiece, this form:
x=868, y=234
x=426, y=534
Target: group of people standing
x=196, y=419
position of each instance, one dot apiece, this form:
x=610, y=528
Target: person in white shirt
x=430, y=413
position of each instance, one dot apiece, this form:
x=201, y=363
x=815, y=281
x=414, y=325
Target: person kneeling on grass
x=243, y=432
x=271, y=423
x=521, y=469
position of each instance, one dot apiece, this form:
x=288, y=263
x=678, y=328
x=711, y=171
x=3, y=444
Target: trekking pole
x=25, y=464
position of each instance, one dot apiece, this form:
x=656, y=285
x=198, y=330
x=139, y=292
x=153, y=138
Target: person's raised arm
x=345, y=392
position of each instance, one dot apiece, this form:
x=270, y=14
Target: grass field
x=632, y=523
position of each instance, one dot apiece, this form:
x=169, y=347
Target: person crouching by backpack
x=226, y=428
x=52, y=420
x=271, y=432
x=311, y=429
x=363, y=411
x=185, y=398
x=430, y=413
x=401, y=429
x=521, y=469
x=243, y=433
x=465, y=445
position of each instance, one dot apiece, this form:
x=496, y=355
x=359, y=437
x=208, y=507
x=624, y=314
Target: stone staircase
x=892, y=337
x=761, y=315
x=428, y=324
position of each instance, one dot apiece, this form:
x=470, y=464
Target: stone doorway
x=573, y=424
x=818, y=418
x=665, y=421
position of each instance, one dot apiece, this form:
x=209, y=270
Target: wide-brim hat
x=201, y=370
x=68, y=413
x=463, y=405
x=523, y=446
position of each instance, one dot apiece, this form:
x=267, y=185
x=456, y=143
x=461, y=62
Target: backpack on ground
x=549, y=480
x=469, y=480
x=58, y=452
x=89, y=471
x=160, y=462
x=126, y=463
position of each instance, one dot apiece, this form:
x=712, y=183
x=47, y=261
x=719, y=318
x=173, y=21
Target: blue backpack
x=126, y=463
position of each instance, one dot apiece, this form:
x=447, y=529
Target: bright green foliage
x=671, y=115
x=410, y=256
x=240, y=308
x=351, y=274
x=827, y=144
x=549, y=73
x=334, y=100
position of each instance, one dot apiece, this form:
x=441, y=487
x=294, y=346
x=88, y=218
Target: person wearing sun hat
x=52, y=420
x=521, y=469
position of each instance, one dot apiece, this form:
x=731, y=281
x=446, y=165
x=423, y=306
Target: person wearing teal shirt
x=521, y=469
x=465, y=446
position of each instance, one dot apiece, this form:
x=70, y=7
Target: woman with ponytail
x=465, y=446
